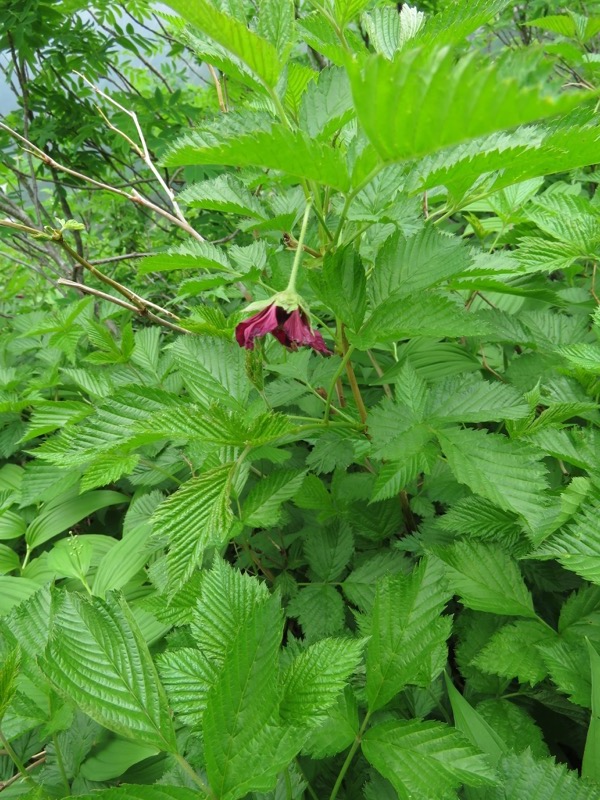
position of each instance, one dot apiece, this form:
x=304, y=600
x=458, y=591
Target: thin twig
x=124, y=257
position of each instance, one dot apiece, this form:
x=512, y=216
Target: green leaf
x=337, y=731
x=486, y=578
x=394, y=476
x=9, y=669
x=389, y=30
x=512, y=652
x=124, y=560
x=341, y=285
x=243, y=745
x=445, y=101
x=15, y=590
x=114, y=758
x=319, y=610
x=276, y=24
x=590, y=767
x=407, y=632
x=426, y=759
x=508, y=473
x=262, y=507
x=457, y=21
x=144, y=792
x=521, y=777
x=60, y=516
x=514, y=724
x=473, y=399
x=192, y=255
x=425, y=314
x=187, y=678
x=97, y=657
x=329, y=550
x=195, y=517
x=406, y=265
x=473, y=726
x=326, y=104
x=224, y=193
x=274, y=147
x=360, y=586
x=315, y=678
x=257, y=53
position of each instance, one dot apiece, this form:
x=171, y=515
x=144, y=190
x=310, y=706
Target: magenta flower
x=291, y=328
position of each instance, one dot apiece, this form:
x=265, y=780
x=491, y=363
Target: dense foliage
x=299, y=497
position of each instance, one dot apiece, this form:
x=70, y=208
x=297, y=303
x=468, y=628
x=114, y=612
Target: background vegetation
x=268, y=572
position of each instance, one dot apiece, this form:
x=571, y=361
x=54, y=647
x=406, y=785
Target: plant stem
x=17, y=761
x=356, y=392
x=349, y=757
x=189, y=770
x=338, y=372
x=291, y=287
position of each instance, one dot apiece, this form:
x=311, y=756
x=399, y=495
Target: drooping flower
x=291, y=328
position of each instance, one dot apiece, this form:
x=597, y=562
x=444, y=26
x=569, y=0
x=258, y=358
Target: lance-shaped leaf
x=445, y=101
x=407, y=632
x=196, y=516
x=257, y=53
x=98, y=658
x=425, y=759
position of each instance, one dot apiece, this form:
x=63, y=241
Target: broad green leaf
x=577, y=546
x=274, y=147
x=243, y=745
x=486, y=578
x=319, y=610
x=9, y=669
x=427, y=759
x=315, y=678
x=389, y=30
x=195, y=517
x=262, y=507
x=15, y=590
x=408, y=635
x=508, y=473
x=473, y=726
x=395, y=476
x=425, y=314
x=514, y=725
x=512, y=652
x=111, y=760
x=326, y=104
x=276, y=24
x=192, y=255
x=144, y=792
x=341, y=285
x=360, y=586
x=328, y=550
x=61, y=516
x=345, y=10
x=590, y=767
x=471, y=399
x=445, y=102
x=223, y=193
x=187, y=677
x=406, y=265
x=257, y=53
x=97, y=657
x=457, y=21
x=521, y=777
x=337, y=731
x=124, y=560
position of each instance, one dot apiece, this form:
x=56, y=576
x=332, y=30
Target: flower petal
x=298, y=330
x=266, y=321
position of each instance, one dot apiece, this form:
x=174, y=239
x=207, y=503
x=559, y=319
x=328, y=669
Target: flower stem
x=17, y=761
x=349, y=757
x=291, y=287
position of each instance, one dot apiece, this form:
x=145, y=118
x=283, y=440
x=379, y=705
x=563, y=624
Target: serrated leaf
x=195, y=517
x=98, y=658
x=9, y=669
x=512, y=652
x=194, y=255
x=262, y=507
x=276, y=147
x=329, y=550
x=406, y=265
x=471, y=399
x=143, y=792
x=487, y=579
x=315, y=678
x=187, y=677
x=407, y=632
x=506, y=472
x=473, y=726
x=341, y=285
x=223, y=193
x=425, y=314
x=320, y=611
x=462, y=100
x=522, y=777
x=257, y=53
x=327, y=103
x=427, y=759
